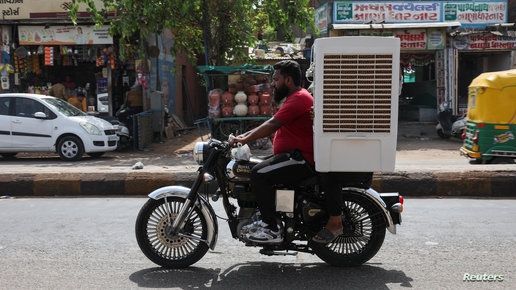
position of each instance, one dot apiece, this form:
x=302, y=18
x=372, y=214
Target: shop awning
x=397, y=25
x=242, y=69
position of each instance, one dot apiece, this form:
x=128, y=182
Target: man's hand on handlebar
x=234, y=140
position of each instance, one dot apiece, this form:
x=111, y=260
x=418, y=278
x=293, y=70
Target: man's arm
x=264, y=130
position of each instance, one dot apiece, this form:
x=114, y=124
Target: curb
x=420, y=184
x=458, y=184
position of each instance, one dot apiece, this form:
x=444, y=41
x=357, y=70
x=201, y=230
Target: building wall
x=190, y=97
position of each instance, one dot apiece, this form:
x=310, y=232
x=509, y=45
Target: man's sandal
x=325, y=236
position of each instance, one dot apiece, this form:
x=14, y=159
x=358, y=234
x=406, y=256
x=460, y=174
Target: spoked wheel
x=364, y=231
x=170, y=251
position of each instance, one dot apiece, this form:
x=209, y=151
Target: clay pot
x=253, y=110
x=253, y=99
x=227, y=111
x=214, y=112
x=232, y=88
x=240, y=110
x=252, y=89
x=265, y=99
x=265, y=110
x=214, y=99
x=240, y=97
x=227, y=98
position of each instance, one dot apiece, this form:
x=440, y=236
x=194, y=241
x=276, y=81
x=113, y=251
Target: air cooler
x=356, y=82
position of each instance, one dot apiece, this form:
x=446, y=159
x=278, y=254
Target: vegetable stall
x=239, y=98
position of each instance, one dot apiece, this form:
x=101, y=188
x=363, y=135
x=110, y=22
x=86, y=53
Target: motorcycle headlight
x=200, y=152
x=91, y=129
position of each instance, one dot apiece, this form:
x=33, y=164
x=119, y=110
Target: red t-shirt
x=296, y=130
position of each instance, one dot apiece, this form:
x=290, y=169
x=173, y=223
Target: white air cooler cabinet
x=356, y=81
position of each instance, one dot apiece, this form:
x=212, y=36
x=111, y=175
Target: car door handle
x=17, y=121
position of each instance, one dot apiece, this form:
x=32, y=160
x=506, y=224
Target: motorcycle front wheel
x=162, y=248
x=364, y=232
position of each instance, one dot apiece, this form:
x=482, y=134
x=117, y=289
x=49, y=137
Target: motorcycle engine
x=313, y=213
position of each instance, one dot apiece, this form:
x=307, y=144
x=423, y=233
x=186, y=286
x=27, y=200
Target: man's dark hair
x=290, y=68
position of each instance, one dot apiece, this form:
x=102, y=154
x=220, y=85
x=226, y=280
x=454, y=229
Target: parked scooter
x=122, y=131
x=449, y=125
x=124, y=137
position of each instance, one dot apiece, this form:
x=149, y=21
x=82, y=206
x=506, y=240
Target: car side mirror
x=40, y=115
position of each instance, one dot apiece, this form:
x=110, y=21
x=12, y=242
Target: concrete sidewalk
x=425, y=166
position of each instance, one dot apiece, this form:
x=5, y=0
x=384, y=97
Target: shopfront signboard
x=386, y=11
x=64, y=35
x=484, y=41
x=322, y=18
x=436, y=39
x=475, y=14
x=412, y=39
x=40, y=9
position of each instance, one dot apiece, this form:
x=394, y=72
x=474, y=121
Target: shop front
x=41, y=48
x=80, y=58
x=422, y=35
x=477, y=53
x=444, y=45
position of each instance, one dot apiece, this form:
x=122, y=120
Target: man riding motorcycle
x=293, y=158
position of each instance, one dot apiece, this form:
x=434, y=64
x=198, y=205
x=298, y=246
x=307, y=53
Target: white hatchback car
x=37, y=123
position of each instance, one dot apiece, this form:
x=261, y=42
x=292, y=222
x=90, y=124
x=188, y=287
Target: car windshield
x=64, y=107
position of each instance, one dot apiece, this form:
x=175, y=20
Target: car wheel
x=8, y=155
x=96, y=154
x=70, y=148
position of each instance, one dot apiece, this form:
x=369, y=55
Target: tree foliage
x=221, y=29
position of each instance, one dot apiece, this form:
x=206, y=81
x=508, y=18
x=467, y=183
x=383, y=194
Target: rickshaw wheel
x=502, y=160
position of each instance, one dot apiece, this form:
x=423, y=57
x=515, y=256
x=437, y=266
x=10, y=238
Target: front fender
x=374, y=196
x=206, y=209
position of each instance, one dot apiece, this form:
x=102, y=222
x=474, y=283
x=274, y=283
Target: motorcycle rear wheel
x=364, y=235
x=171, y=252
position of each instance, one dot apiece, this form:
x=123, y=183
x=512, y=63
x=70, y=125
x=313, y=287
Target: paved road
x=89, y=243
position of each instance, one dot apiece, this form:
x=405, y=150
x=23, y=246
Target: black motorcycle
x=177, y=225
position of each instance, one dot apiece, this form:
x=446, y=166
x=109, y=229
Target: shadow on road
x=264, y=275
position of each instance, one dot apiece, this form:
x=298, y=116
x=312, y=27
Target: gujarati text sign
x=395, y=11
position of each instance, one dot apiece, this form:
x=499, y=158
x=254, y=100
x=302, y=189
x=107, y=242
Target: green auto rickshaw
x=491, y=127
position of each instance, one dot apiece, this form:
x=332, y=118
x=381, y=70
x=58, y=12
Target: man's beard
x=280, y=93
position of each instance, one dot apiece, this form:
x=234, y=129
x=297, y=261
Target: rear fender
x=206, y=209
x=375, y=198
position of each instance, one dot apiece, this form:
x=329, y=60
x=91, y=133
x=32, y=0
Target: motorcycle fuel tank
x=239, y=170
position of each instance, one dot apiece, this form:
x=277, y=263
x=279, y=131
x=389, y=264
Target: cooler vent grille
x=357, y=93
